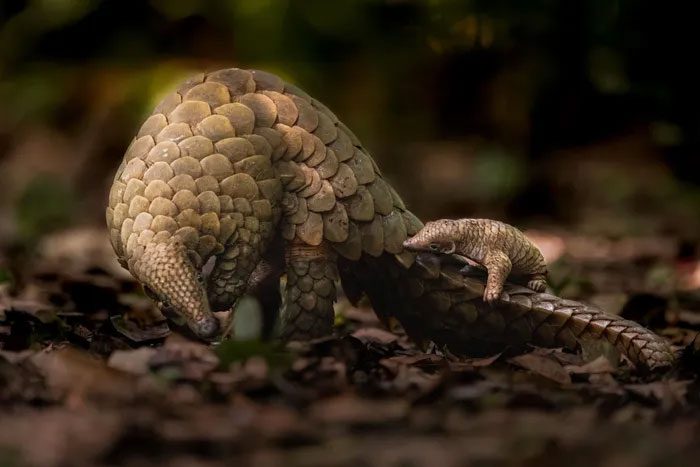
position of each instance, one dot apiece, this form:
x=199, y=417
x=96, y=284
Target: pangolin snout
x=409, y=243
x=207, y=328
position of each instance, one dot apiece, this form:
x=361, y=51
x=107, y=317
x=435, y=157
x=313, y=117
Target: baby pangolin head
x=435, y=237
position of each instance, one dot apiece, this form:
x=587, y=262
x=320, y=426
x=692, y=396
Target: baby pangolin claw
x=492, y=294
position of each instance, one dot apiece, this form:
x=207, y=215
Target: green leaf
x=5, y=276
x=45, y=205
x=230, y=351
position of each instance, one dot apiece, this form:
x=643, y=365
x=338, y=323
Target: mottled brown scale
x=240, y=170
x=500, y=248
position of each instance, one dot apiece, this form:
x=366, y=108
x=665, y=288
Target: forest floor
x=83, y=384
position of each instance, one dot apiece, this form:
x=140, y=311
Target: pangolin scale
x=235, y=162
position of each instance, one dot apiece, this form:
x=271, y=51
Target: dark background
x=582, y=115
x=575, y=120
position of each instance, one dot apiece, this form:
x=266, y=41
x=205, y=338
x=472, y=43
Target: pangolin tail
x=434, y=302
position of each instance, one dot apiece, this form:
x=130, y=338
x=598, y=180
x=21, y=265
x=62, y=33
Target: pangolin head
x=435, y=237
x=168, y=273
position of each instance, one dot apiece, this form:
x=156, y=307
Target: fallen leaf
x=191, y=360
x=375, y=335
x=132, y=361
x=138, y=334
x=542, y=365
x=43, y=312
x=418, y=359
x=471, y=363
x=75, y=374
x=599, y=365
x=591, y=349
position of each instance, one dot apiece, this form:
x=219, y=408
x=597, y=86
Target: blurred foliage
x=594, y=46
x=5, y=276
x=45, y=206
x=525, y=79
x=9, y=457
x=499, y=174
x=247, y=321
x=231, y=351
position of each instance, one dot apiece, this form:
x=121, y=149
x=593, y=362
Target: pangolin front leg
x=310, y=291
x=264, y=285
x=230, y=276
x=498, y=266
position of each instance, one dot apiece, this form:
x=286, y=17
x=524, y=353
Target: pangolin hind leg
x=310, y=291
x=168, y=273
x=537, y=282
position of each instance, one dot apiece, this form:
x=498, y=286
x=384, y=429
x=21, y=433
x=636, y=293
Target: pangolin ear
x=450, y=248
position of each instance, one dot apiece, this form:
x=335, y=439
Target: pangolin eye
x=434, y=247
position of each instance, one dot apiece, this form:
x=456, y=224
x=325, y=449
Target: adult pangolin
x=234, y=162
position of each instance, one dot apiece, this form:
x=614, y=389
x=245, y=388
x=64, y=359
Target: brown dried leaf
x=471, y=363
x=375, y=335
x=193, y=360
x=599, y=365
x=132, y=361
x=77, y=375
x=138, y=334
x=543, y=365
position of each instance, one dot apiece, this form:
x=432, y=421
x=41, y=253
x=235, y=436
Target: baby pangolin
x=499, y=247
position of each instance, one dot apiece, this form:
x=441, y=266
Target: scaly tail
x=434, y=302
x=551, y=321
